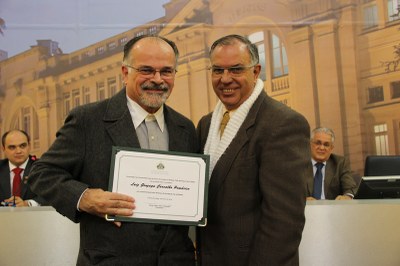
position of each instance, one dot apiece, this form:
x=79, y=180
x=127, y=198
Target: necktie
x=318, y=181
x=224, y=122
x=17, y=181
x=156, y=139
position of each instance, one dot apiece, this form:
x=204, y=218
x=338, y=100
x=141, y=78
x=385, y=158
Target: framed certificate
x=168, y=187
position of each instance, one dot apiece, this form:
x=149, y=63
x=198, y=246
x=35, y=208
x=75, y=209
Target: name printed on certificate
x=166, y=186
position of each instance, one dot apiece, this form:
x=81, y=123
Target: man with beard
x=73, y=175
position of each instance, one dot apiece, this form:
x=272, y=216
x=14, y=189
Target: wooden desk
x=356, y=233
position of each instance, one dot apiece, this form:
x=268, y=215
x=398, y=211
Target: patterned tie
x=17, y=181
x=224, y=122
x=318, y=181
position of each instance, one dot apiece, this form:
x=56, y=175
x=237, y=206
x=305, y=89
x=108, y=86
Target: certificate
x=168, y=187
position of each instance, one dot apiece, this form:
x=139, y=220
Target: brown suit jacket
x=338, y=178
x=256, y=192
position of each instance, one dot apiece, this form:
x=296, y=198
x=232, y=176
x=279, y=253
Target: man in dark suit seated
x=14, y=171
x=330, y=176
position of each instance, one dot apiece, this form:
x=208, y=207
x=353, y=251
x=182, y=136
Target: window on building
x=152, y=30
x=395, y=89
x=101, y=91
x=26, y=119
x=87, y=54
x=100, y=50
x=258, y=39
x=140, y=33
x=76, y=98
x=112, y=86
x=381, y=139
x=122, y=41
x=375, y=94
x=279, y=57
x=111, y=45
x=393, y=10
x=86, y=95
x=75, y=59
x=370, y=12
x=67, y=104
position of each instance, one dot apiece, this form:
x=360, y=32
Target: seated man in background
x=14, y=170
x=330, y=174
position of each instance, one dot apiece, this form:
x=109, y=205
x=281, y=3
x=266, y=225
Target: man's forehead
x=322, y=135
x=16, y=138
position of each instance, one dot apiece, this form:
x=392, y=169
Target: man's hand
x=343, y=197
x=310, y=198
x=99, y=202
x=18, y=202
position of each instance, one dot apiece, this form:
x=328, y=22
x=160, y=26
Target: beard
x=154, y=99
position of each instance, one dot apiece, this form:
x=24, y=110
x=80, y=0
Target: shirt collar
x=12, y=166
x=138, y=114
x=231, y=112
x=314, y=162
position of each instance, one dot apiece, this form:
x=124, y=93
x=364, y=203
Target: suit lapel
x=225, y=162
x=176, y=131
x=24, y=186
x=329, y=172
x=118, y=122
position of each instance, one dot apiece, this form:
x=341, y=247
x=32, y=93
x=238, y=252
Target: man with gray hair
x=259, y=152
x=330, y=174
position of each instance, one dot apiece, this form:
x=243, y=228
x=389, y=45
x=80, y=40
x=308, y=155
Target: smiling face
x=149, y=91
x=321, y=146
x=16, y=148
x=233, y=90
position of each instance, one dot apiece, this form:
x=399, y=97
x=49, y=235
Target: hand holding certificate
x=168, y=187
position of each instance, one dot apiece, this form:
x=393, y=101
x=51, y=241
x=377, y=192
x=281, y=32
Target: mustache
x=152, y=86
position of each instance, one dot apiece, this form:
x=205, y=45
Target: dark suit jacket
x=80, y=158
x=256, y=199
x=338, y=178
x=5, y=186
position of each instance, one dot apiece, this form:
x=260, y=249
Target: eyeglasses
x=165, y=72
x=233, y=71
x=320, y=143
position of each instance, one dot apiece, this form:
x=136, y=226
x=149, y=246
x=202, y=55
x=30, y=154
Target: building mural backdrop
x=334, y=61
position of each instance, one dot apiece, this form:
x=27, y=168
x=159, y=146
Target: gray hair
x=323, y=130
x=232, y=39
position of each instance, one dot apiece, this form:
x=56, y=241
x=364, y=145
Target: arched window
x=26, y=119
x=280, y=60
x=258, y=39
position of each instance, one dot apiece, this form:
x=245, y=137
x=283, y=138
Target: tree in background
x=2, y=26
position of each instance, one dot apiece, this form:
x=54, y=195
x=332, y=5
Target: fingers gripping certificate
x=168, y=187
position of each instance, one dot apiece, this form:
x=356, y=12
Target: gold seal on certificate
x=168, y=187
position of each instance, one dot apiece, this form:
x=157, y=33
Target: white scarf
x=216, y=146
